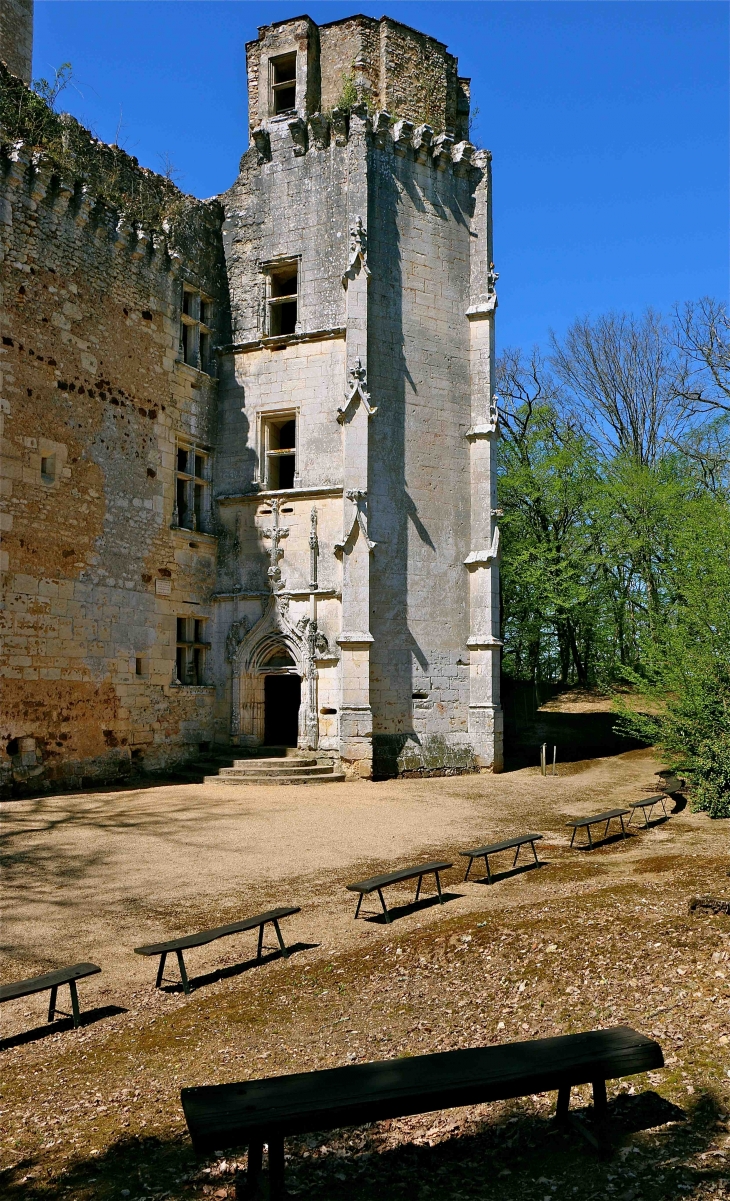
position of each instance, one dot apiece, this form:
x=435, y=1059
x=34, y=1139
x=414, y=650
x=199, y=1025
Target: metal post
x=555, y=752
x=543, y=756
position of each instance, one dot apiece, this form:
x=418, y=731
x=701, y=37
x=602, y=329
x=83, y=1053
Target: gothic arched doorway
x=282, y=698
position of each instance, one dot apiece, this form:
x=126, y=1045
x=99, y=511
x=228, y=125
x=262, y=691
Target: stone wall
x=420, y=247
x=16, y=36
x=93, y=398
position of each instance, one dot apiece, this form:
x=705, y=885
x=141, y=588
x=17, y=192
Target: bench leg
x=438, y=888
x=489, y=873
x=251, y=1190
x=590, y=839
x=261, y=943
x=276, y=1168
x=183, y=973
x=161, y=968
x=600, y=1102
x=468, y=869
x=74, y=1002
x=534, y=852
x=623, y=828
x=517, y=853
x=418, y=887
x=385, y=907
x=575, y=831
x=563, y=1106
x=52, y=1003
x=359, y=903
x=282, y=944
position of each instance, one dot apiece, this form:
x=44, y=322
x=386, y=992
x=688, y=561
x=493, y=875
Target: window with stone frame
x=282, y=298
x=196, y=331
x=282, y=84
x=191, y=650
x=192, y=487
x=279, y=450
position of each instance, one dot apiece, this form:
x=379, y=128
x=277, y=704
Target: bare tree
x=620, y=375
x=702, y=331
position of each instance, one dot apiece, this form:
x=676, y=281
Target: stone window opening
x=282, y=300
x=280, y=451
x=282, y=84
x=48, y=469
x=139, y=666
x=191, y=650
x=192, y=488
x=196, y=332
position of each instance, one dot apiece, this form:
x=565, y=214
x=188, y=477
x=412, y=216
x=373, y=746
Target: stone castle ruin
x=247, y=467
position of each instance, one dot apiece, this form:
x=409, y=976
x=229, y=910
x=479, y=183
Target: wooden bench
x=52, y=981
x=377, y=883
x=254, y=1112
x=587, y=822
x=178, y=945
x=510, y=844
x=671, y=785
x=647, y=803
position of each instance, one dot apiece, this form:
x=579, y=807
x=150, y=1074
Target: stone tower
x=16, y=36
x=356, y=604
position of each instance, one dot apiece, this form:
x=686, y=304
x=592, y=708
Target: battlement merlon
x=297, y=68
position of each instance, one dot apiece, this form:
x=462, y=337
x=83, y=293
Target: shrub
x=711, y=777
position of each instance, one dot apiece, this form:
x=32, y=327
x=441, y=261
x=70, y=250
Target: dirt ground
x=590, y=939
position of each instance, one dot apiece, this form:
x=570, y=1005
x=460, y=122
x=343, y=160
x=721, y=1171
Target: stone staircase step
x=309, y=769
x=266, y=764
x=331, y=777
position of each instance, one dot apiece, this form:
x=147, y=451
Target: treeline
x=614, y=481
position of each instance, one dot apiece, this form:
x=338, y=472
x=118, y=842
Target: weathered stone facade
x=320, y=565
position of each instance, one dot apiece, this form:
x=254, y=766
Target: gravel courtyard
x=587, y=940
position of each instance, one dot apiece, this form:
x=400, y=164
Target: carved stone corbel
x=359, y=518
x=441, y=150
x=298, y=130
x=402, y=134
x=319, y=128
x=422, y=139
x=482, y=558
x=339, y=125
x=356, y=394
x=357, y=254
x=381, y=127
x=262, y=142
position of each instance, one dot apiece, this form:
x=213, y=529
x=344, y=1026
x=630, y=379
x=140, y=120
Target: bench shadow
x=88, y=1018
x=486, y=1160
x=605, y=842
x=397, y=911
x=236, y=969
x=508, y=872
x=661, y=820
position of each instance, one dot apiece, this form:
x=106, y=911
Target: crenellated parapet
x=396, y=135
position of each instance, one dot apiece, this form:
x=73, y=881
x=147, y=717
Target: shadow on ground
x=514, y=1157
x=88, y=1018
x=235, y=969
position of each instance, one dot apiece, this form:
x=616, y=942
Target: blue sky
x=608, y=123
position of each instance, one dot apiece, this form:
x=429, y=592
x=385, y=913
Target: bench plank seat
x=508, y=845
x=202, y=937
x=258, y=1111
x=648, y=803
x=377, y=883
x=587, y=822
x=52, y=981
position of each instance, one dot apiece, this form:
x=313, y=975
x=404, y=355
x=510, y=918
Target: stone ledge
x=315, y=335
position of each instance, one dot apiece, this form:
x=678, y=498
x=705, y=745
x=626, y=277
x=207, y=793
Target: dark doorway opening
x=282, y=697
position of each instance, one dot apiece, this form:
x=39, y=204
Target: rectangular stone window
x=279, y=451
x=190, y=651
x=196, y=331
x=282, y=299
x=282, y=84
x=48, y=469
x=192, y=488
